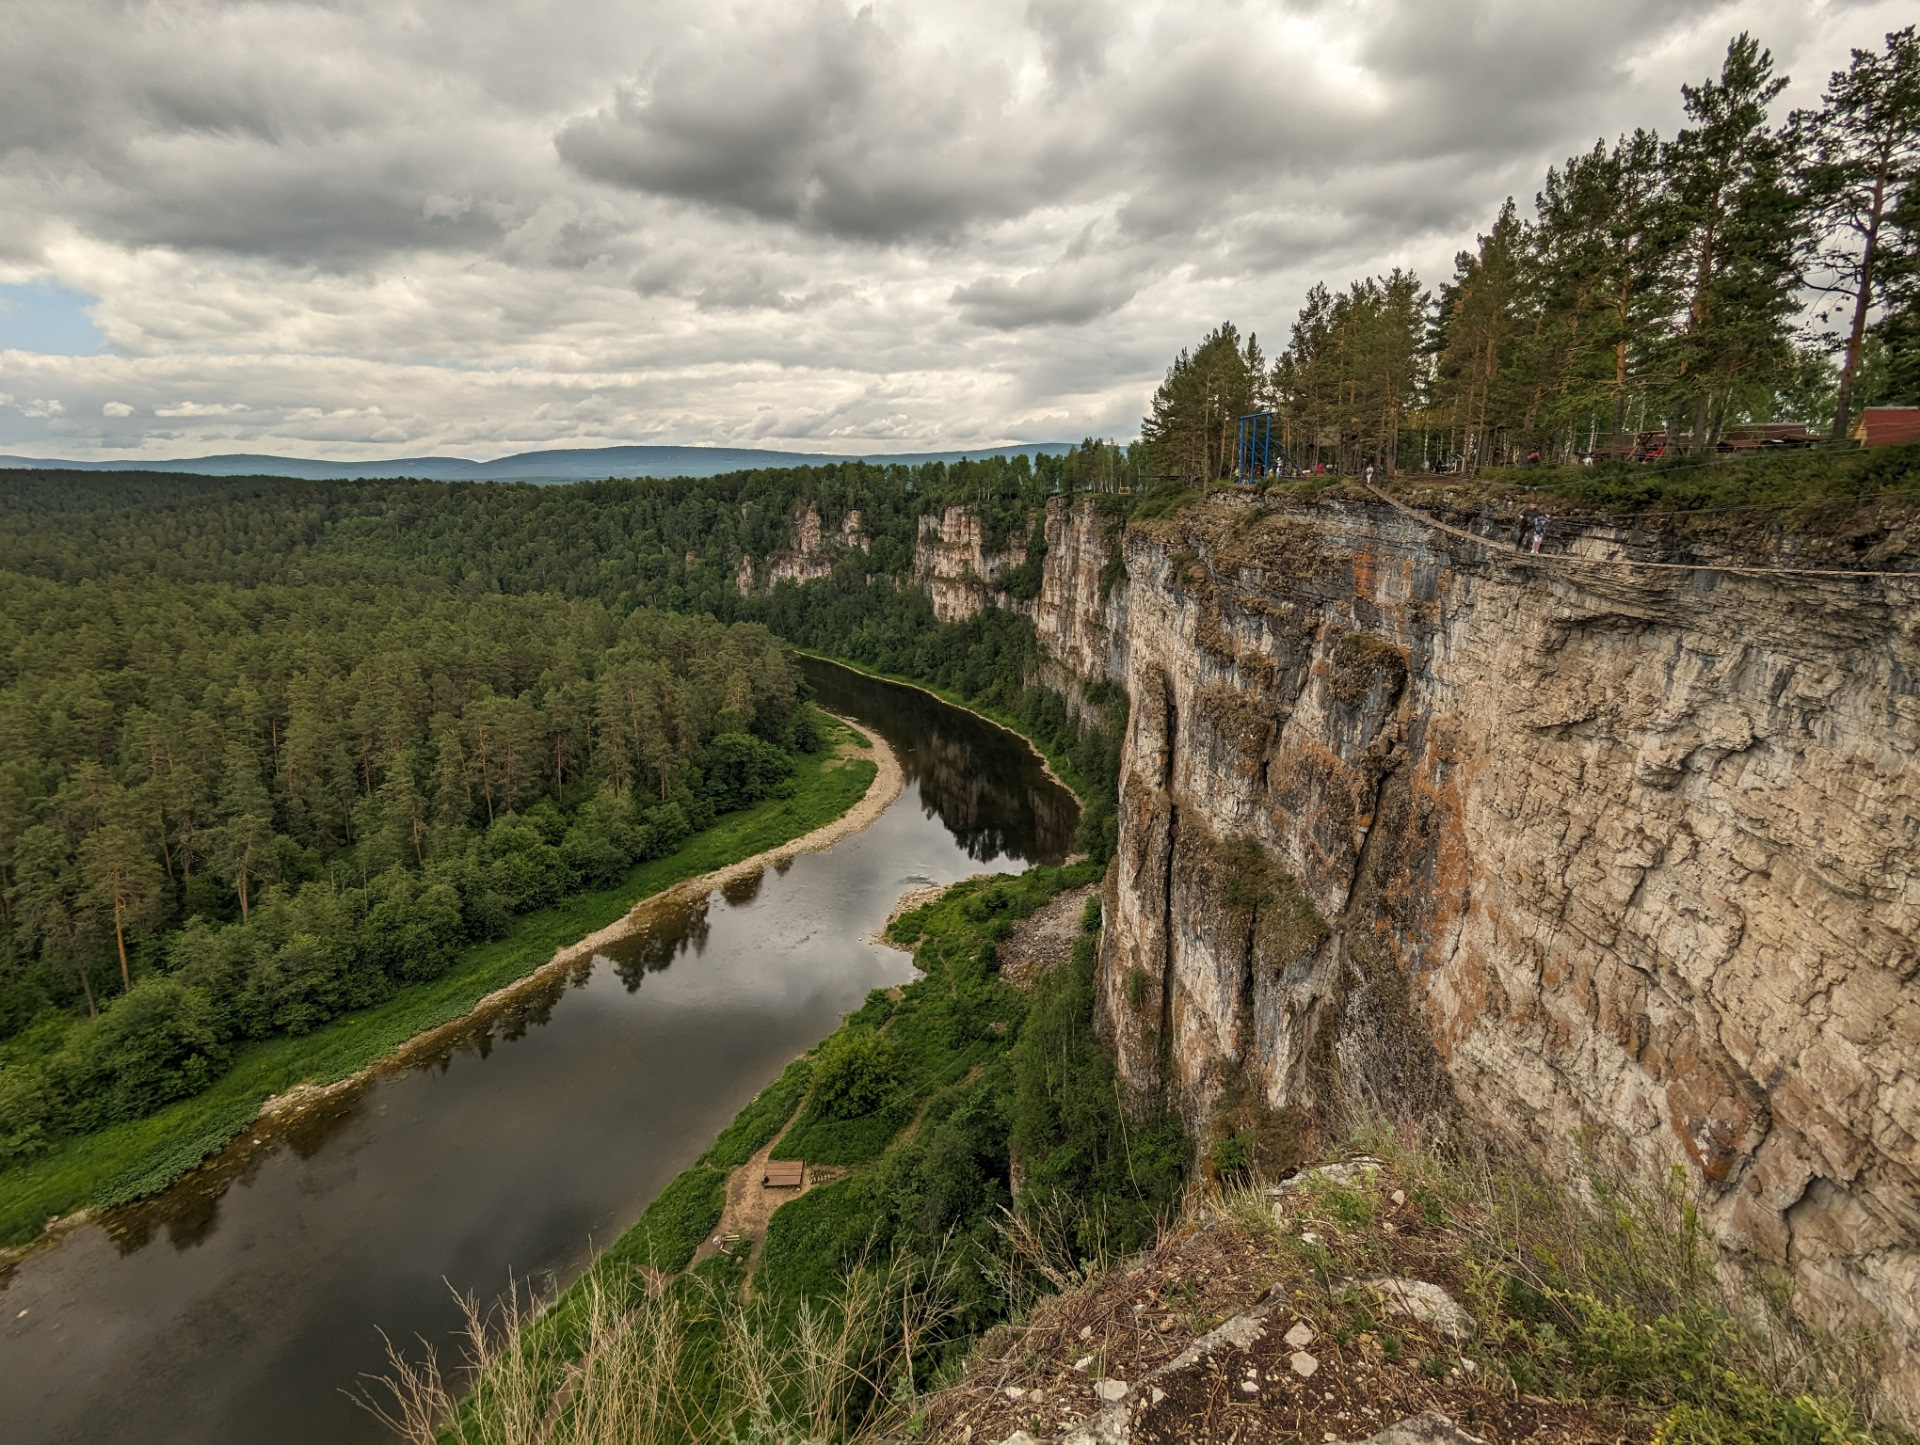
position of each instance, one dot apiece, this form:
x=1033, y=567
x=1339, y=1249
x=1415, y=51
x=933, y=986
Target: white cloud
x=455, y=226
x=199, y=408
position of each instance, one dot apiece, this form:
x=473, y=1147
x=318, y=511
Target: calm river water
x=239, y=1306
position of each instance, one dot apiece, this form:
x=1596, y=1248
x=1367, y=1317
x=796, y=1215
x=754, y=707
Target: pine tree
x=1863, y=153
x=1193, y=427
x=1737, y=231
x=121, y=878
x=1476, y=329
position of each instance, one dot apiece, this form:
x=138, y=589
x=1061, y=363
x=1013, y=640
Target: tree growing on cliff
x=1593, y=268
x=1351, y=372
x=1476, y=331
x=1737, y=234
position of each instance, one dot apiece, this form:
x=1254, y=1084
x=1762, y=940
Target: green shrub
x=854, y=1074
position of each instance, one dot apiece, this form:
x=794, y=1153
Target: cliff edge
x=1605, y=857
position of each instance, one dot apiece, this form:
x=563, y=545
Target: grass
x=1801, y=486
x=137, y=1158
x=1595, y=1309
x=1057, y=760
x=893, y=1226
x=1596, y=1290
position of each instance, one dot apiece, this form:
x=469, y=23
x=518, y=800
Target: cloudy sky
x=371, y=228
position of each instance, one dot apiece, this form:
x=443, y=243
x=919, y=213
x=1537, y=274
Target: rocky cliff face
x=952, y=563
x=1566, y=849
x=813, y=555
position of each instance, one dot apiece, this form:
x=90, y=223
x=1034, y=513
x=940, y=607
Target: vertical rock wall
x=1562, y=849
x=952, y=564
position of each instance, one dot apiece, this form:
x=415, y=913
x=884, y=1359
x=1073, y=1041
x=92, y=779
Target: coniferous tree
x=1736, y=232
x=1476, y=329
x=1863, y=153
x=1594, y=266
x=1895, y=338
x=1192, y=430
x=1351, y=372
x=122, y=880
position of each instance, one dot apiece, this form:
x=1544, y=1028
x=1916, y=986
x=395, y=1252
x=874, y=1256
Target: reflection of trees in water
x=672, y=927
x=190, y=1210
x=743, y=891
x=986, y=786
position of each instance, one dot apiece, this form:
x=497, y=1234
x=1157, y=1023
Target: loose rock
x=1303, y=1364
x=1432, y=1428
x=1427, y=1303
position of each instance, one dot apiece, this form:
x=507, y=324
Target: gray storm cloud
x=360, y=228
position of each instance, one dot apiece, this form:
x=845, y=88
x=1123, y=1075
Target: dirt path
x=750, y=1204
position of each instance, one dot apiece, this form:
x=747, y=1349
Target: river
x=243, y=1304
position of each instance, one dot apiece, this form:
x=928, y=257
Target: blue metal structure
x=1257, y=456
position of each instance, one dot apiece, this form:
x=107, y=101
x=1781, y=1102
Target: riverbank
x=273, y=1082
x=914, y=1178
x=1055, y=765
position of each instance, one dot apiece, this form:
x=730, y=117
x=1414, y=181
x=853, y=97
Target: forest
x=271, y=751
x=1664, y=292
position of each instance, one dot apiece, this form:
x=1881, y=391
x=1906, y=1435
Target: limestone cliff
x=812, y=556
x=1571, y=849
x=952, y=563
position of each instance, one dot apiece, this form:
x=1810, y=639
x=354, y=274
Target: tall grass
x=1605, y=1287
x=695, y=1359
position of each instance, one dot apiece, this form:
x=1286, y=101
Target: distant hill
x=565, y=465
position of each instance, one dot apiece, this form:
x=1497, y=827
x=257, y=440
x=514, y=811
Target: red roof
x=1886, y=426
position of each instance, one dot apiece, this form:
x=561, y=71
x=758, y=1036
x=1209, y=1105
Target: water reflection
x=987, y=786
x=670, y=928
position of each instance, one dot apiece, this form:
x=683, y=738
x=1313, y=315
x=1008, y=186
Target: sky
x=376, y=228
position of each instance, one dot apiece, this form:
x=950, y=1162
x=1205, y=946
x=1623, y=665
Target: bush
x=740, y=770
x=854, y=1074
x=154, y=1045
x=26, y=1112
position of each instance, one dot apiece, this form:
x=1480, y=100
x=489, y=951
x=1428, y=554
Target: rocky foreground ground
x=1241, y=1326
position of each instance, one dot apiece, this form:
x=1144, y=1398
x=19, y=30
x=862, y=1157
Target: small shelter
x=784, y=1174
x=1888, y=426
